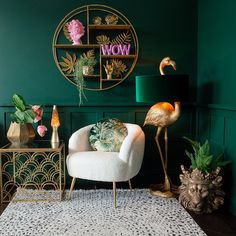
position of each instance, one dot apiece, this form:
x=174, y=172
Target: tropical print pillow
x=107, y=135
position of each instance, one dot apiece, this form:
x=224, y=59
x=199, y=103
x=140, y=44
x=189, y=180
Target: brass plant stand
x=37, y=166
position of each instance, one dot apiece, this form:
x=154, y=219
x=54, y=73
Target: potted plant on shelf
x=21, y=130
x=200, y=189
x=84, y=67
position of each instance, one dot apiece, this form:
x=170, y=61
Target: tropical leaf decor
x=68, y=63
x=89, y=54
x=103, y=39
x=108, y=135
x=66, y=32
x=122, y=38
x=118, y=67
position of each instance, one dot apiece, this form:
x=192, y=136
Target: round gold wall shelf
x=103, y=25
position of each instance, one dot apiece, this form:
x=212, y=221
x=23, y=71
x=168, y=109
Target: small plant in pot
x=84, y=67
x=200, y=189
x=87, y=65
x=21, y=130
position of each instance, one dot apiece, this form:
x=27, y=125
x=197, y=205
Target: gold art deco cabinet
x=107, y=34
x=37, y=166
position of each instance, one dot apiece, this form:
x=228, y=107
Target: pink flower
x=38, y=112
x=42, y=130
x=76, y=31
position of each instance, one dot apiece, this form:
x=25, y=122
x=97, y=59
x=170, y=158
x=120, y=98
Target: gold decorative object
x=66, y=32
x=89, y=54
x=69, y=63
x=19, y=134
x=111, y=19
x=201, y=192
x=109, y=70
x=97, y=20
x=162, y=115
x=117, y=29
x=122, y=38
x=103, y=39
x=55, y=123
x=166, y=62
x=119, y=67
x=29, y=167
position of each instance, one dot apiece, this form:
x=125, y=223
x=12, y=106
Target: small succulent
x=202, y=159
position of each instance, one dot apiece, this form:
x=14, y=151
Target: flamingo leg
x=166, y=147
x=167, y=182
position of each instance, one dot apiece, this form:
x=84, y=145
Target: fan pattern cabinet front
x=109, y=38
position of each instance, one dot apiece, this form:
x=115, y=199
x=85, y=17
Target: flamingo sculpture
x=166, y=61
x=162, y=115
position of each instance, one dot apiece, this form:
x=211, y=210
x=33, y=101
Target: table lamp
x=162, y=89
x=55, y=123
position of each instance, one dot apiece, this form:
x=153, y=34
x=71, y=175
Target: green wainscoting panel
x=80, y=119
x=217, y=128
x=230, y=149
x=74, y=117
x=219, y=125
x=184, y=125
x=216, y=79
x=140, y=117
x=123, y=116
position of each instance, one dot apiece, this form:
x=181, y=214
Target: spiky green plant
x=202, y=159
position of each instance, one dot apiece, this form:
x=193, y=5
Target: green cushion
x=107, y=135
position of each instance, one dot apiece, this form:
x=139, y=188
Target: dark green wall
x=216, y=52
x=216, y=82
x=163, y=28
x=27, y=65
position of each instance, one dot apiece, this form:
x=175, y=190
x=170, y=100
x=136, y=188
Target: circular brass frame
x=88, y=8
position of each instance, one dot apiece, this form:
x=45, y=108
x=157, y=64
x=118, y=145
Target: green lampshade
x=161, y=88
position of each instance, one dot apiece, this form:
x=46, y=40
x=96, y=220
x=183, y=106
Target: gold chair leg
x=72, y=186
x=114, y=193
x=130, y=186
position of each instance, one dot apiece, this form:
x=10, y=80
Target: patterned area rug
x=91, y=212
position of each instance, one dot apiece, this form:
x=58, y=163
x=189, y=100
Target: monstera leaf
x=108, y=135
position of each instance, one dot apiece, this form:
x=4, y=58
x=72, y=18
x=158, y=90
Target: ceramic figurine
x=76, y=31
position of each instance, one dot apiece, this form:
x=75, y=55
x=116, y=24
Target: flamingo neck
x=176, y=114
x=161, y=67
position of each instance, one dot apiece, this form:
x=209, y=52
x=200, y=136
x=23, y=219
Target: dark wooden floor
x=218, y=223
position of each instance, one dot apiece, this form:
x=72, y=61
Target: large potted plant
x=21, y=130
x=200, y=189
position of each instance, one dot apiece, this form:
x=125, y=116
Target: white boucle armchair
x=85, y=163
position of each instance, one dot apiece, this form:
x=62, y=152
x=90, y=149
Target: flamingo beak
x=173, y=64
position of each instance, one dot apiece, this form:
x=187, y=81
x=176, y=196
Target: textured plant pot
x=20, y=133
x=199, y=192
x=87, y=70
